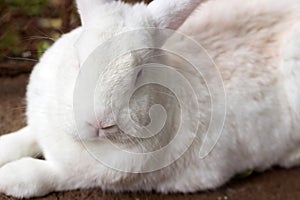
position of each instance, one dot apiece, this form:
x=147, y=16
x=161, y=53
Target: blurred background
x=29, y=27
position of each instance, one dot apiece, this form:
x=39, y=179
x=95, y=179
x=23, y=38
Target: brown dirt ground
x=275, y=184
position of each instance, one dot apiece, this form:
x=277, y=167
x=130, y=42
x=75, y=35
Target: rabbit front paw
x=17, y=145
x=26, y=178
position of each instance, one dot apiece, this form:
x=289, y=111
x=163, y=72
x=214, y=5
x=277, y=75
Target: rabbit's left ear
x=172, y=13
x=85, y=8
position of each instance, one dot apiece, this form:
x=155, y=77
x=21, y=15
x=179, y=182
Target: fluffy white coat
x=256, y=46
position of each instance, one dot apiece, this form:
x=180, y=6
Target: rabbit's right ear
x=86, y=7
x=171, y=14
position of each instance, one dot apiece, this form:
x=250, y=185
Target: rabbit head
x=105, y=20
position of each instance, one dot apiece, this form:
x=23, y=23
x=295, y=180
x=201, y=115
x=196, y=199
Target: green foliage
x=27, y=7
x=10, y=41
x=244, y=175
x=42, y=47
x=13, y=30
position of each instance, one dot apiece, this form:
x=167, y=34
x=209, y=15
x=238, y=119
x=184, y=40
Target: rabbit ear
x=172, y=13
x=85, y=7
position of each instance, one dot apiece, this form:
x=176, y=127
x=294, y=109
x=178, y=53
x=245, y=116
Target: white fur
x=170, y=13
x=255, y=45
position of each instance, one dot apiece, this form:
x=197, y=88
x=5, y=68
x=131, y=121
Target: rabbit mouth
x=111, y=130
x=112, y=133
x=115, y=135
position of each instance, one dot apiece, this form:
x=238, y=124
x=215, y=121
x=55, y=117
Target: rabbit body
x=256, y=47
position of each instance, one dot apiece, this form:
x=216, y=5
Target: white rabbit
x=256, y=46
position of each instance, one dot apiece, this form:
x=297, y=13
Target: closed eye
x=138, y=76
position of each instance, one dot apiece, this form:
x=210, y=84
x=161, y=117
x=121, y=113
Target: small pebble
x=26, y=54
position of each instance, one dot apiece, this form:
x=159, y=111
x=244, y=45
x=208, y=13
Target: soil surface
x=275, y=184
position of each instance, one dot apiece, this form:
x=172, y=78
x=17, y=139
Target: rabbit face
x=117, y=77
x=118, y=74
